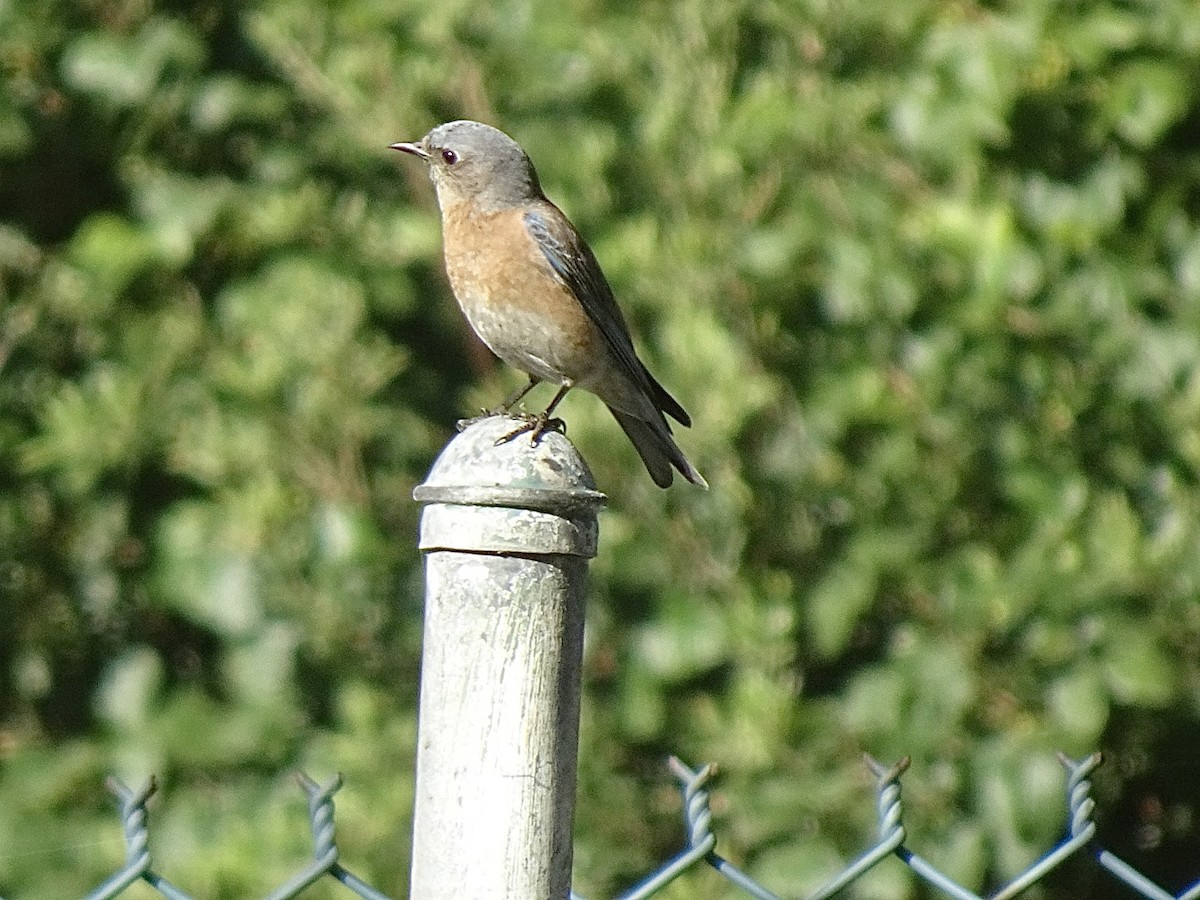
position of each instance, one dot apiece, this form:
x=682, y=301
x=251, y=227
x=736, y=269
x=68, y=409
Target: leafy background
x=927, y=276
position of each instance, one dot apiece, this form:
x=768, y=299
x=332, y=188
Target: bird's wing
x=576, y=265
x=573, y=261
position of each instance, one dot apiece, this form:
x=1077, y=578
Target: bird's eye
x=449, y=157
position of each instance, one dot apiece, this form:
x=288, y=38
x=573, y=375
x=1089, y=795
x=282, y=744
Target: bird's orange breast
x=514, y=300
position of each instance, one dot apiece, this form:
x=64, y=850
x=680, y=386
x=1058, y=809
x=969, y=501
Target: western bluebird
x=533, y=292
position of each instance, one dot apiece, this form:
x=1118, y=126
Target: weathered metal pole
x=507, y=532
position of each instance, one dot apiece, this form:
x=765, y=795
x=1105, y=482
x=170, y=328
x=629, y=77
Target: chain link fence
x=1081, y=832
x=132, y=805
x=700, y=849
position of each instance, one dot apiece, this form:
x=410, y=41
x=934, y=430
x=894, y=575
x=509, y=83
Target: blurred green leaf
x=113, y=250
x=1145, y=99
x=1138, y=669
x=124, y=69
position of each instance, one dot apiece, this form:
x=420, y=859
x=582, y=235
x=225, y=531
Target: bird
x=532, y=290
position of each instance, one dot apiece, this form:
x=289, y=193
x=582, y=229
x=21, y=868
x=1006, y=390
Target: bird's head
x=470, y=161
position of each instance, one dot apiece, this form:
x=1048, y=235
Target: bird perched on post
x=532, y=290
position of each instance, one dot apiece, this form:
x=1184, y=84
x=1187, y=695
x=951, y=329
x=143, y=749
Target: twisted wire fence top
x=890, y=841
x=700, y=843
x=134, y=818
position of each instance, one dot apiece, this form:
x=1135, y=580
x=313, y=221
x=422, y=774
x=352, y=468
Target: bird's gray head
x=472, y=161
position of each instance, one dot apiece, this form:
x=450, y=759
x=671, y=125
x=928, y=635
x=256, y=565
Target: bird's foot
x=535, y=425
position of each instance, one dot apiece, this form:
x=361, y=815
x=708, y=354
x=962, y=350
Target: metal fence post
x=507, y=531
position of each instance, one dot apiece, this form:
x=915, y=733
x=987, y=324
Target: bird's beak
x=414, y=149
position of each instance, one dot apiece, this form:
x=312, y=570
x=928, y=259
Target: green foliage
x=927, y=276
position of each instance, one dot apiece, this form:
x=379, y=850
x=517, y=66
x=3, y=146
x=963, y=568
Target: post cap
x=512, y=497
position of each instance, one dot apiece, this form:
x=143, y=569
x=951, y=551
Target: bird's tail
x=658, y=450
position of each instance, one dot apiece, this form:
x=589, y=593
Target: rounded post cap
x=548, y=482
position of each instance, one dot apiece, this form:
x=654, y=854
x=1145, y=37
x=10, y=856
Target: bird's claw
x=535, y=425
